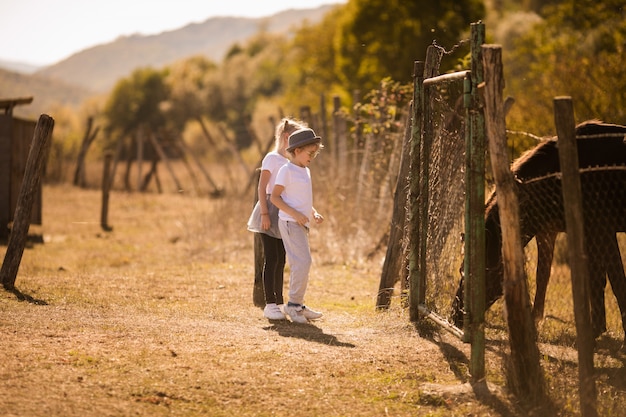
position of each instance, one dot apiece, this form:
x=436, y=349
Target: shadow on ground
x=25, y=297
x=306, y=332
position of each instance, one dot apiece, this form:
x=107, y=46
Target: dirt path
x=156, y=319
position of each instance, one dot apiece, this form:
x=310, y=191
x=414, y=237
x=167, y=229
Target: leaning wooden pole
x=395, y=257
x=574, y=221
x=165, y=159
x=525, y=375
x=32, y=179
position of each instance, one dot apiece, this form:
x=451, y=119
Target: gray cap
x=302, y=137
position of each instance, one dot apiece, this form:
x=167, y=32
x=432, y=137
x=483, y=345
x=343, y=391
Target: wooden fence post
x=341, y=146
x=420, y=152
x=574, y=221
x=106, y=182
x=140, y=139
x=28, y=191
x=527, y=376
x=258, y=294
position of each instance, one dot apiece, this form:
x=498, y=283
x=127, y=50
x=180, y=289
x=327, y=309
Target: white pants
x=296, y=241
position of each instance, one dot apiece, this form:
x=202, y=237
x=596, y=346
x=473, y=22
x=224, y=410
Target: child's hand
x=318, y=217
x=301, y=219
x=265, y=222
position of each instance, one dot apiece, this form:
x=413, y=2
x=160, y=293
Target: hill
x=99, y=67
x=20, y=67
x=46, y=93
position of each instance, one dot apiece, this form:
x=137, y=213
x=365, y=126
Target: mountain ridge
x=99, y=67
x=95, y=70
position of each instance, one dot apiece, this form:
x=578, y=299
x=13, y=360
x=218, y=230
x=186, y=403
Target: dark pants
x=273, y=269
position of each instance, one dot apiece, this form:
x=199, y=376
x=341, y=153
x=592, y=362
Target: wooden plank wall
x=6, y=127
x=16, y=136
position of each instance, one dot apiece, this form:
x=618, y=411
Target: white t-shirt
x=272, y=163
x=298, y=192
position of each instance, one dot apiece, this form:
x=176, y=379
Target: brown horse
x=599, y=145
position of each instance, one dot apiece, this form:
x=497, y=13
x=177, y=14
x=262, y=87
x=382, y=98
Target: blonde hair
x=285, y=128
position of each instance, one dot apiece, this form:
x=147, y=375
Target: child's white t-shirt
x=298, y=192
x=272, y=163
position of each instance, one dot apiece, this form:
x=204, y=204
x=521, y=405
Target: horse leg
x=545, y=252
x=617, y=277
x=597, y=283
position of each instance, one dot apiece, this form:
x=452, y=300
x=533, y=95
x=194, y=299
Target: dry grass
x=156, y=318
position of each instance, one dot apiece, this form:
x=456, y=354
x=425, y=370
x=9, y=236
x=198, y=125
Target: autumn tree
x=310, y=63
x=382, y=38
x=248, y=72
x=575, y=49
x=137, y=101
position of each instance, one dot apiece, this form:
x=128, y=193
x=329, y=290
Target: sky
x=44, y=32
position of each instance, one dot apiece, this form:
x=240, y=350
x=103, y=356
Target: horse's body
x=599, y=145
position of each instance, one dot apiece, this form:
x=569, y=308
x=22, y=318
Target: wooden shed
x=16, y=136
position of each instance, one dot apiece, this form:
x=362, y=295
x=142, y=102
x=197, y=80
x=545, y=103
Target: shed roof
x=8, y=103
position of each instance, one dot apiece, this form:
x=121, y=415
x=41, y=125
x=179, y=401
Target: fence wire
x=542, y=226
x=444, y=166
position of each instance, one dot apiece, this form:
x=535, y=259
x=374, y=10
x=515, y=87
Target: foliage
x=136, y=101
x=250, y=72
x=310, y=63
x=577, y=50
x=66, y=142
x=192, y=85
x=382, y=109
x=380, y=38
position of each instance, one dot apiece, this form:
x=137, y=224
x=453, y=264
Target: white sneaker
x=311, y=314
x=296, y=314
x=272, y=312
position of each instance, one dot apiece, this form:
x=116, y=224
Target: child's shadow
x=305, y=331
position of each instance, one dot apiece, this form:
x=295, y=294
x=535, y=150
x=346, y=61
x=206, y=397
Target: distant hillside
x=45, y=93
x=99, y=68
x=18, y=67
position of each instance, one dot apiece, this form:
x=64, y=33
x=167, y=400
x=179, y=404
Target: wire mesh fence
x=443, y=166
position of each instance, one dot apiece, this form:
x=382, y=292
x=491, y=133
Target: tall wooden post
x=21, y=221
x=574, y=221
x=474, y=244
x=140, y=135
x=415, y=201
x=526, y=377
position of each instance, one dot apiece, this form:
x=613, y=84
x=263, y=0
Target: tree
x=191, y=89
x=137, y=100
x=382, y=38
x=577, y=49
x=310, y=60
x=249, y=72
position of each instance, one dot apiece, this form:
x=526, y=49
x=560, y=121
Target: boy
x=293, y=195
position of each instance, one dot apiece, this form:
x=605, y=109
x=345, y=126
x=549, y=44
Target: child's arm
x=264, y=179
x=278, y=201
